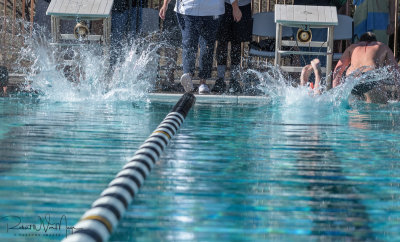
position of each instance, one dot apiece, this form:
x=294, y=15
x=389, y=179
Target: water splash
x=137, y=74
x=79, y=72
x=285, y=91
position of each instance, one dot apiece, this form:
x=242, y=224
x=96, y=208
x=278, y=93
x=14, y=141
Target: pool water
x=234, y=172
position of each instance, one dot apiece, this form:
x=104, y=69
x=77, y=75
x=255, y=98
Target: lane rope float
x=98, y=223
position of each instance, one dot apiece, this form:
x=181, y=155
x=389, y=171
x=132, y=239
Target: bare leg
x=305, y=75
x=5, y=90
x=316, y=65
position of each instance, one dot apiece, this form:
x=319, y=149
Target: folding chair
x=264, y=26
x=343, y=31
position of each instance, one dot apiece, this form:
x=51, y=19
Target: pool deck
x=16, y=80
x=209, y=98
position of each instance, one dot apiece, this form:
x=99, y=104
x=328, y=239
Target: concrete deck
x=211, y=98
x=16, y=80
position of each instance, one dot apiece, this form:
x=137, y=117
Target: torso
x=367, y=56
x=200, y=7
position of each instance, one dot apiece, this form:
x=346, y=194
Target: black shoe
x=219, y=86
x=234, y=86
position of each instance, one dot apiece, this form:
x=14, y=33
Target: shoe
x=234, y=86
x=203, y=89
x=186, y=81
x=219, y=86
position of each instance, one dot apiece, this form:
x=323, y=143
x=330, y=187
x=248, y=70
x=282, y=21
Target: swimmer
x=364, y=56
x=315, y=66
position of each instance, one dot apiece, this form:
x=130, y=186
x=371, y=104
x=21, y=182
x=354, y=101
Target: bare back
x=364, y=56
x=368, y=56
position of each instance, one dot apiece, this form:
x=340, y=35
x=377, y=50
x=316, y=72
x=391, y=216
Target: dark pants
x=234, y=32
x=222, y=53
x=123, y=30
x=198, y=30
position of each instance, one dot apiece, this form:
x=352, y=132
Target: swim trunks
x=364, y=86
x=3, y=76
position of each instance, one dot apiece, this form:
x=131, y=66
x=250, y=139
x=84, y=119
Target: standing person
x=374, y=16
x=199, y=22
x=172, y=36
x=359, y=59
x=123, y=27
x=236, y=33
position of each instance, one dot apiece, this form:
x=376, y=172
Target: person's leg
x=241, y=32
x=222, y=57
x=209, y=28
x=224, y=36
x=316, y=65
x=236, y=52
x=172, y=36
x=234, y=85
x=190, y=38
x=134, y=23
x=172, y=57
x=5, y=90
x=117, y=38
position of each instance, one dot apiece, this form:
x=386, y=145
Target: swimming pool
x=242, y=171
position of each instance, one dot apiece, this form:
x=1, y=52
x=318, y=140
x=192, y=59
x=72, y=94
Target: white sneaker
x=186, y=81
x=203, y=89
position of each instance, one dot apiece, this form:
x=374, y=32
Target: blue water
x=234, y=172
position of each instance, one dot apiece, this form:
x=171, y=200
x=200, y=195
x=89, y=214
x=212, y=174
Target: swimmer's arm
x=317, y=90
x=341, y=66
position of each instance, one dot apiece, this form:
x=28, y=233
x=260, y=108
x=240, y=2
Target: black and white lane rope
x=98, y=223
